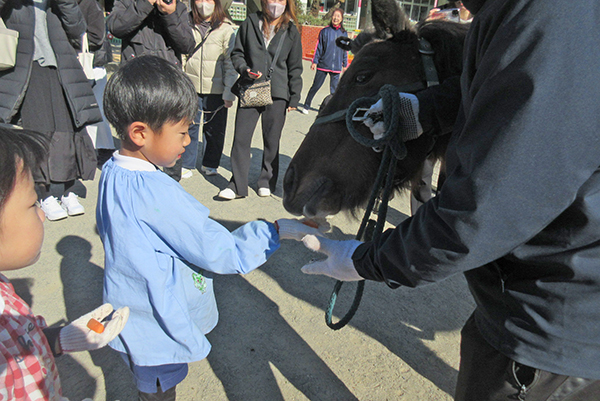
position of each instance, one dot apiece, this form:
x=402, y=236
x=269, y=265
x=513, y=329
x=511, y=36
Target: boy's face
x=21, y=225
x=164, y=148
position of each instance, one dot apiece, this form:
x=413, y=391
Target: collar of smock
x=132, y=163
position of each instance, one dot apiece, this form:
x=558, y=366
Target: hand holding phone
x=254, y=75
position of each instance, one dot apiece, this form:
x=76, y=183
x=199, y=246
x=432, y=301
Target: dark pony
x=331, y=172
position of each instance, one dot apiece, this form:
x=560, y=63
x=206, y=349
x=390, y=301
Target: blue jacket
x=161, y=252
x=328, y=57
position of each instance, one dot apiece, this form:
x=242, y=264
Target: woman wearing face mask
x=255, y=47
x=210, y=69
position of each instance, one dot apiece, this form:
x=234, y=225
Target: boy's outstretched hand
x=339, y=264
x=298, y=229
x=78, y=336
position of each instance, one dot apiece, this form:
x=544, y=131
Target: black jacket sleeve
x=178, y=28
x=439, y=105
x=127, y=16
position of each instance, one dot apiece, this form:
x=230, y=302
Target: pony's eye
x=362, y=78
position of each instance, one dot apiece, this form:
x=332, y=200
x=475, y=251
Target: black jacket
x=145, y=30
x=65, y=22
x=250, y=53
x=96, y=32
x=519, y=213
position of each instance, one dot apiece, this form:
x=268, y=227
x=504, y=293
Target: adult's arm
x=439, y=106
x=238, y=56
x=179, y=29
x=294, y=68
x=319, y=49
x=127, y=16
x=528, y=142
x=71, y=18
x=230, y=75
x=96, y=27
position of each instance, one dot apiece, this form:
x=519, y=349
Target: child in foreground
x=27, y=346
x=161, y=247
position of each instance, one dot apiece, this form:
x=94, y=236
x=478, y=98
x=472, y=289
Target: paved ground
x=271, y=342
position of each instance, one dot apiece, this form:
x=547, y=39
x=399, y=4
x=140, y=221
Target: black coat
x=65, y=22
x=96, y=32
x=146, y=31
x=519, y=212
x=250, y=53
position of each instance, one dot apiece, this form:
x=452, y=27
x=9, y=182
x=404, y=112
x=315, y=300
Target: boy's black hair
x=18, y=145
x=150, y=90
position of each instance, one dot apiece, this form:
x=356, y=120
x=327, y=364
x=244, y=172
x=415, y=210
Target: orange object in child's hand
x=310, y=223
x=95, y=326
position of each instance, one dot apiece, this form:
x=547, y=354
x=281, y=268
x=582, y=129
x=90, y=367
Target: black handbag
x=257, y=94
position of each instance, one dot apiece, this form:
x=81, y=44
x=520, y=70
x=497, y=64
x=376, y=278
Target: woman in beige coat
x=213, y=75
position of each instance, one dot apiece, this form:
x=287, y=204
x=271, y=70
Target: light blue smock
x=156, y=236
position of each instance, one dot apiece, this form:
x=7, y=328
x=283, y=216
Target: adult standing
x=213, y=75
x=519, y=212
x=255, y=47
x=47, y=91
x=99, y=45
x=329, y=59
x=151, y=27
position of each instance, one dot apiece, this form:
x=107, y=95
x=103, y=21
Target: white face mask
x=275, y=9
x=205, y=8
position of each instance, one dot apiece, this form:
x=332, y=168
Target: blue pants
x=320, y=76
x=214, y=133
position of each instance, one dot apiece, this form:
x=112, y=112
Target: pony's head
x=331, y=172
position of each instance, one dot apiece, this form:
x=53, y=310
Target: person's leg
x=272, y=120
x=487, y=375
x=188, y=158
x=334, y=78
x=317, y=83
x=214, y=131
x=169, y=395
x=70, y=201
x=245, y=122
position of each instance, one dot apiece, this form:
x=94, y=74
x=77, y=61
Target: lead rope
x=391, y=145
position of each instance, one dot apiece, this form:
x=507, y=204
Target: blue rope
x=392, y=145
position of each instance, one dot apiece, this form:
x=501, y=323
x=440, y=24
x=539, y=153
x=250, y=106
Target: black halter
x=431, y=79
x=383, y=186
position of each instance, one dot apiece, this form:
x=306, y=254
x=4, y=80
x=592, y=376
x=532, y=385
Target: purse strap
x=85, y=47
x=199, y=45
x=279, y=45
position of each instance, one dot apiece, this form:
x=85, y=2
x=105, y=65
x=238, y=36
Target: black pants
x=487, y=375
x=272, y=119
x=320, y=76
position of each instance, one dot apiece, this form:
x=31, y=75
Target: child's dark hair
x=18, y=146
x=150, y=90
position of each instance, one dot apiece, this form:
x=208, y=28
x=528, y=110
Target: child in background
x=27, y=346
x=161, y=247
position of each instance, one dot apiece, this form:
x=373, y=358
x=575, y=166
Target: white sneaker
x=52, y=209
x=208, y=171
x=264, y=192
x=186, y=173
x=228, y=194
x=71, y=204
x=303, y=110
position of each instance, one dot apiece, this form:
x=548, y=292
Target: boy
x=27, y=346
x=161, y=247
